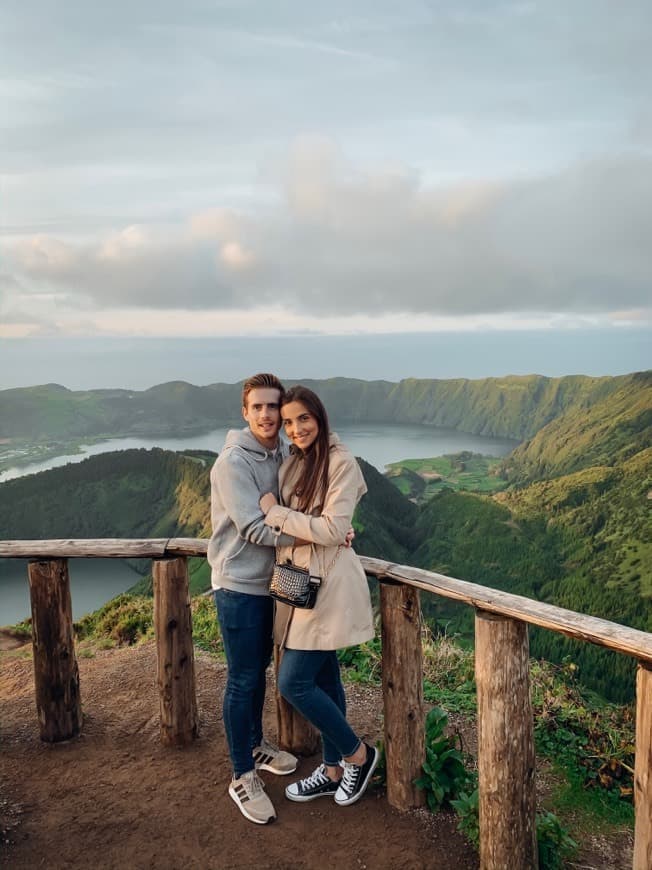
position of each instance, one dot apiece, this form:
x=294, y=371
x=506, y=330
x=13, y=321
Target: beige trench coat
x=342, y=615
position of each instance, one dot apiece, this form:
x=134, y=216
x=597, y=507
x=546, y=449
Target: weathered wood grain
x=103, y=548
x=175, y=652
x=587, y=628
x=56, y=675
x=506, y=761
x=643, y=771
x=400, y=610
x=577, y=625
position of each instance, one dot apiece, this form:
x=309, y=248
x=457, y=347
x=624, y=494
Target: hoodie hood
x=245, y=439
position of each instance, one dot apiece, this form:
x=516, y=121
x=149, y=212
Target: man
x=241, y=554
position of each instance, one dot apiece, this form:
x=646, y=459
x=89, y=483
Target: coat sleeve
x=345, y=487
x=239, y=495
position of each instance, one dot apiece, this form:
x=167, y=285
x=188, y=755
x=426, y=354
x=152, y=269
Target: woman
x=320, y=485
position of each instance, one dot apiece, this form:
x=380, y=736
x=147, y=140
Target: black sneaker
x=316, y=785
x=356, y=778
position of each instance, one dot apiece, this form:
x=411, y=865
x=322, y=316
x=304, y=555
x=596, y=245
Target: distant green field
x=419, y=479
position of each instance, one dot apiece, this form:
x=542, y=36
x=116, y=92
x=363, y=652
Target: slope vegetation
x=613, y=427
x=510, y=407
x=572, y=528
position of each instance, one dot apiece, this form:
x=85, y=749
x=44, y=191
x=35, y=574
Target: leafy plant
x=553, y=841
x=467, y=806
x=444, y=773
x=362, y=663
x=592, y=740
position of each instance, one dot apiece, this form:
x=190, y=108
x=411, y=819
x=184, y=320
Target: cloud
x=342, y=240
x=139, y=267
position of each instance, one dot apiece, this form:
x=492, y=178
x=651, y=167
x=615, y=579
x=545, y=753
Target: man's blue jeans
x=310, y=680
x=246, y=624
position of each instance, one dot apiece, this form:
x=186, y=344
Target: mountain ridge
x=514, y=406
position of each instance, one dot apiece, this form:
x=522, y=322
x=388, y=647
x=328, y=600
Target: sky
x=324, y=180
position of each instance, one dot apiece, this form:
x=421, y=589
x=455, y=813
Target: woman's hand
x=267, y=502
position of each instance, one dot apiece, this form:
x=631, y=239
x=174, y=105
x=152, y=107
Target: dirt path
x=116, y=798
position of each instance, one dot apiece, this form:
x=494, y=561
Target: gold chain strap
x=335, y=557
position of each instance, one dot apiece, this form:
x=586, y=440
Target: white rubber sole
x=244, y=812
x=270, y=769
x=302, y=799
x=356, y=797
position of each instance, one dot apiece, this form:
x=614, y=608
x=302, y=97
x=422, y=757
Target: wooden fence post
x=643, y=770
x=506, y=759
x=295, y=733
x=56, y=674
x=402, y=666
x=174, y=650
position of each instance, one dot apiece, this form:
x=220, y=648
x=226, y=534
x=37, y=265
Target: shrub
x=205, y=627
x=125, y=620
x=444, y=774
x=467, y=808
x=362, y=663
x=553, y=841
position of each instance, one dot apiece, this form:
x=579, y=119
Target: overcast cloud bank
x=256, y=169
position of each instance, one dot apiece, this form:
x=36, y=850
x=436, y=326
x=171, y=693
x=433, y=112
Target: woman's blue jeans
x=246, y=625
x=310, y=681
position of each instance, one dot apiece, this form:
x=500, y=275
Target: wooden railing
x=506, y=759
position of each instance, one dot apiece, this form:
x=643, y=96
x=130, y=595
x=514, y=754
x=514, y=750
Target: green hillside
x=507, y=545
x=54, y=412
x=384, y=520
x=419, y=479
x=603, y=432
x=131, y=493
x=509, y=407
x=156, y=493
x=572, y=527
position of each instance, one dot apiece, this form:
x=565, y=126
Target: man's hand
x=267, y=502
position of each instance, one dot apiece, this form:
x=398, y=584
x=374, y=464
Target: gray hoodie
x=241, y=549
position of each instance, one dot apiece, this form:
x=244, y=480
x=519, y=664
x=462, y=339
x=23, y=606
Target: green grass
x=128, y=619
x=587, y=810
x=205, y=628
x=420, y=479
x=125, y=619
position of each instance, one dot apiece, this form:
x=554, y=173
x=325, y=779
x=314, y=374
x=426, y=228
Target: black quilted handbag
x=294, y=586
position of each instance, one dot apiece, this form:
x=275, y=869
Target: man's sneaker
x=318, y=784
x=268, y=757
x=249, y=794
x=356, y=778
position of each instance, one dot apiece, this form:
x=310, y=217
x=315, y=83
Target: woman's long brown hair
x=313, y=479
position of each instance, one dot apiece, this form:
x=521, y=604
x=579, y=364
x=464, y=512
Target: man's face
x=263, y=415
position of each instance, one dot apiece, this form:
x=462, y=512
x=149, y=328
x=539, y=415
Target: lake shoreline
x=436, y=440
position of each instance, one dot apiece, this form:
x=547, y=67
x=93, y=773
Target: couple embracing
x=299, y=501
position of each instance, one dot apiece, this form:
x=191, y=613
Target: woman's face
x=299, y=424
